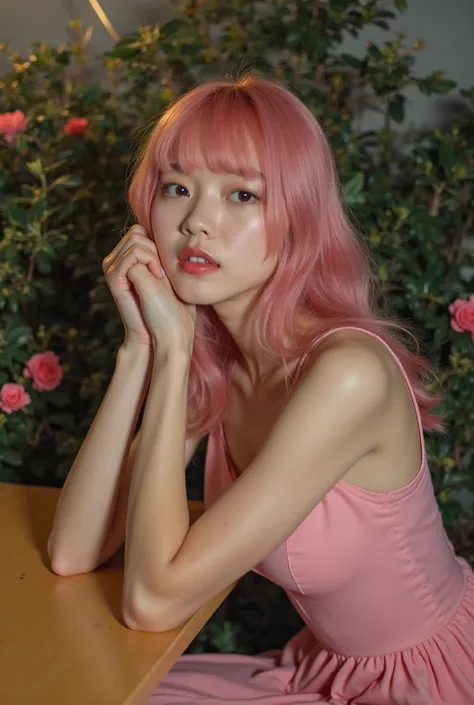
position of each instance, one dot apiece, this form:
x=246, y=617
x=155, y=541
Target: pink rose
x=45, y=370
x=76, y=126
x=462, y=313
x=13, y=397
x=12, y=123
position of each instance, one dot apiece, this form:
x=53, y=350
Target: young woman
x=316, y=474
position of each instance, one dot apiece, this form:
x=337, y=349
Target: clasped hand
x=151, y=311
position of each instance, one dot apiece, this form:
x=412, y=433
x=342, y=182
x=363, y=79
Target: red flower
x=45, y=370
x=463, y=315
x=13, y=397
x=12, y=123
x=76, y=126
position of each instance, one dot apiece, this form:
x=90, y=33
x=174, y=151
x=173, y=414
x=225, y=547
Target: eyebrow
x=247, y=172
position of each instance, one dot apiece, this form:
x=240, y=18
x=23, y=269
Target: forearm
x=158, y=515
x=87, y=501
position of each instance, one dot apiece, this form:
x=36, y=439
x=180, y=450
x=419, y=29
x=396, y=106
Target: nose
x=200, y=220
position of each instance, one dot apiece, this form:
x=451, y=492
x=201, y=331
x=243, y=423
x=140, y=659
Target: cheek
x=252, y=262
x=162, y=230
x=250, y=232
x=160, y=217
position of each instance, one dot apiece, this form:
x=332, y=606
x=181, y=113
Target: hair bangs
x=222, y=135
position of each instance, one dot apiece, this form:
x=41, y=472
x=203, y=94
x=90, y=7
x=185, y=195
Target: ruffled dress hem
x=438, y=671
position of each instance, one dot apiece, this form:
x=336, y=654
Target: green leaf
x=20, y=355
x=10, y=253
x=43, y=262
x=374, y=52
x=385, y=14
x=444, y=85
x=339, y=5
x=18, y=336
x=353, y=187
x=39, y=208
x=11, y=456
x=351, y=61
x=435, y=83
x=35, y=168
x=16, y=216
x=91, y=93
x=396, y=108
x=126, y=51
x=171, y=28
x=68, y=180
x=446, y=156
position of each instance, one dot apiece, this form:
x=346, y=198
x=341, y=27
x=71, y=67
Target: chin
x=190, y=299
x=194, y=296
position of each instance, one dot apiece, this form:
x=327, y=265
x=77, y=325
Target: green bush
x=65, y=165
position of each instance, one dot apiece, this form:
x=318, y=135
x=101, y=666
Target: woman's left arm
x=158, y=516
x=328, y=424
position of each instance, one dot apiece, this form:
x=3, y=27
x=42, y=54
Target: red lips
x=196, y=252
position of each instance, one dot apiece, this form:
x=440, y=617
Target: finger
x=125, y=245
x=140, y=276
x=137, y=242
x=134, y=255
x=136, y=230
x=139, y=230
x=133, y=237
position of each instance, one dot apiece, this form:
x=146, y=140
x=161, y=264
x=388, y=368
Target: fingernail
x=163, y=272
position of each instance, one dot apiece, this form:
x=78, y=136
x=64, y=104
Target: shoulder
x=350, y=364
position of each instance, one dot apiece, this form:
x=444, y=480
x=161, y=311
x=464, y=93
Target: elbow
x=56, y=566
x=147, y=625
x=61, y=569
x=138, y=623
x=152, y=616
x=64, y=568
x=133, y=623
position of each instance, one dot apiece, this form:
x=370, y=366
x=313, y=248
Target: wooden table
x=62, y=639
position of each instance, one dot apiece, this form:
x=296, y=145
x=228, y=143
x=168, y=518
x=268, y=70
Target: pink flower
x=45, y=370
x=462, y=312
x=12, y=123
x=76, y=126
x=13, y=397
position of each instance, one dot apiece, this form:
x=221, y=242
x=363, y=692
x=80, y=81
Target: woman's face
x=221, y=213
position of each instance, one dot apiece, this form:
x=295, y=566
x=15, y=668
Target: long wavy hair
x=323, y=273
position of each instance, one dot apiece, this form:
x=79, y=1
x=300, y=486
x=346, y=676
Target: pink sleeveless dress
x=388, y=606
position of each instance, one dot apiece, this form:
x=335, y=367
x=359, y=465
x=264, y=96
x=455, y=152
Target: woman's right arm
x=91, y=515
x=86, y=505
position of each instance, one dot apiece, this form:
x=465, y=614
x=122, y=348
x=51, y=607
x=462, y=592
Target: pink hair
x=323, y=271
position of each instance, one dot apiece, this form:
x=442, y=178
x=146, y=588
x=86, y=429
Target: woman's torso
x=370, y=569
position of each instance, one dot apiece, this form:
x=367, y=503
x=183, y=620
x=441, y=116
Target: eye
x=247, y=196
x=164, y=189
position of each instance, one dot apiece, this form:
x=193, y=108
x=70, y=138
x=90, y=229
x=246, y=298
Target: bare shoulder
x=351, y=362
